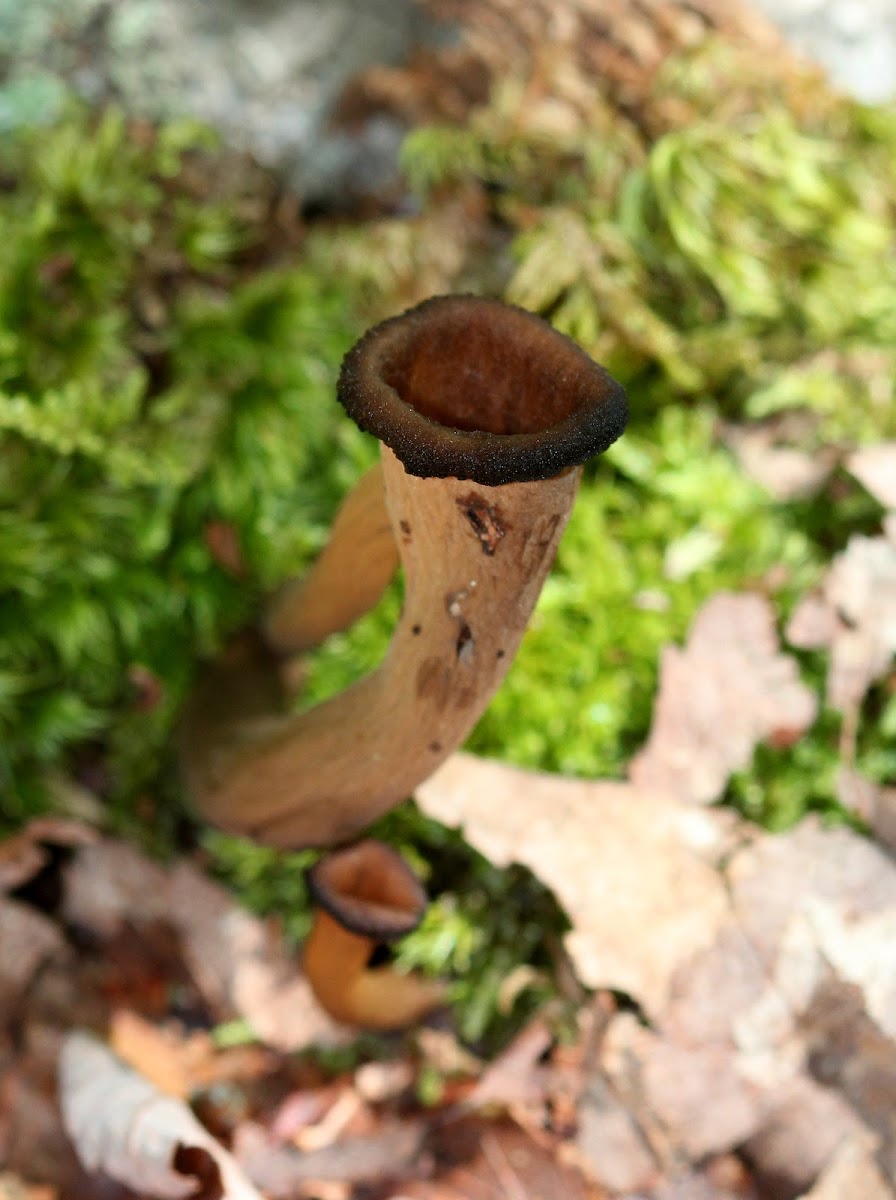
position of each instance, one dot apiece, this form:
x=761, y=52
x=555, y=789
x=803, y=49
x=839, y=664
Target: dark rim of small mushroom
x=368, y=889
x=476, y=389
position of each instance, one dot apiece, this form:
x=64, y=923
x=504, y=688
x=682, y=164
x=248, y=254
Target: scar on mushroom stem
x=364, y=895
x=460, y=391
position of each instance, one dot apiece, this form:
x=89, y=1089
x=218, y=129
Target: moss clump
x=736, y=244
x=150, y=393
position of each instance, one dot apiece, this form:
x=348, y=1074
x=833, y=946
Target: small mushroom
x=485, y=413
x=365, y=894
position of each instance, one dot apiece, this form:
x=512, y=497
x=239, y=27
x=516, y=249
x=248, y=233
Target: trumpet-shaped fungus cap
x=368, y=889
x=476, y=389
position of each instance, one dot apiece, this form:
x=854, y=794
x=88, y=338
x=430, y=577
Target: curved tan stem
x=488, y=412
x=351, y=574
x=335, y=962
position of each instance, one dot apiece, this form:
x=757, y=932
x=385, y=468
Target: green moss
x=744, y=254
x=147, y=391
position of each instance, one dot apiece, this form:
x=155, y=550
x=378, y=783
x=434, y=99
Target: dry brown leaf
x=824, y=888
x=160, y=1055
x=875, y=469
x=111, y=884
x=633, y=870
x=279, y=1170
x=713, y=988
x=875, y=805
x=727, y=690
x=25, y=853
x=855, y=616
x=514, y=1079
x=691, y=1101
x=852, y=1175
x=27, y=939
x=13, y=1187
x=804, y=1126
x=121, y=1126
x=496, y=1160
x=242, y=967
x=609, y=1142
x=785, y=471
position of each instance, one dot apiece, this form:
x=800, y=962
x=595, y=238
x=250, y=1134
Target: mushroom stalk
x=485, y=414
x=363, y=895
x=351, y=574
x=335, y=962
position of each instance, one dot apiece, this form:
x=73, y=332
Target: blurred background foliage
x=170, y=334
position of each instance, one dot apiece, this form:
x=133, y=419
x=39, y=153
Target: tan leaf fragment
x=241, y=966
x=766, y=452
x=714, y=987
x=855, y=615
x=389, y=1153
x=875, y=805
x=121, y=1126
x=727, y=690
x=853, y=1173
x=875, y=469
x=156, y=1054
x=696, y=1094
x=609, y=1142
x=777, y=879
x=804, y=1126
x=513, y=1079
x=633, y=870
x=25, y=853
x=13, y=1187
x=27, y=940
x=111, y=884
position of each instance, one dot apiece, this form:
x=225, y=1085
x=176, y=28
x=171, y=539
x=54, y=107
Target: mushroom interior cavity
x=489, y=369
x=369, y=889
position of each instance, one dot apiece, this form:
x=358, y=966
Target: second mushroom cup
x=485, y=415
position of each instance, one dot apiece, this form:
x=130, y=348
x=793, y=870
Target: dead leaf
x=610, y=1142
x=497, y=1160
x=875, y=805
x=699, y=1096
x=242, y=967
x=713, y=988
x=855, y=616
x=633, y=870
x=768, y=453
x=875, y=469
x=377, y=1082
x=157, y=1054
x=803, y=1127
x=110, y=885
x=25, y=853
x=727, y=690
x=853, y=1173
x=13, y=1187
x=279, y=1170
x=514, y=1080
x=691, y=1101
x=806, y=875
x=121, y=1126
x=28, y=939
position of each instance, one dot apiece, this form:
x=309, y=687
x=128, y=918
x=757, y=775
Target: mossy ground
x=167, y=371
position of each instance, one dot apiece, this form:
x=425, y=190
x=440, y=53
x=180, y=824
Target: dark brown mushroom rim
x=476, y=389
x=369, y=889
